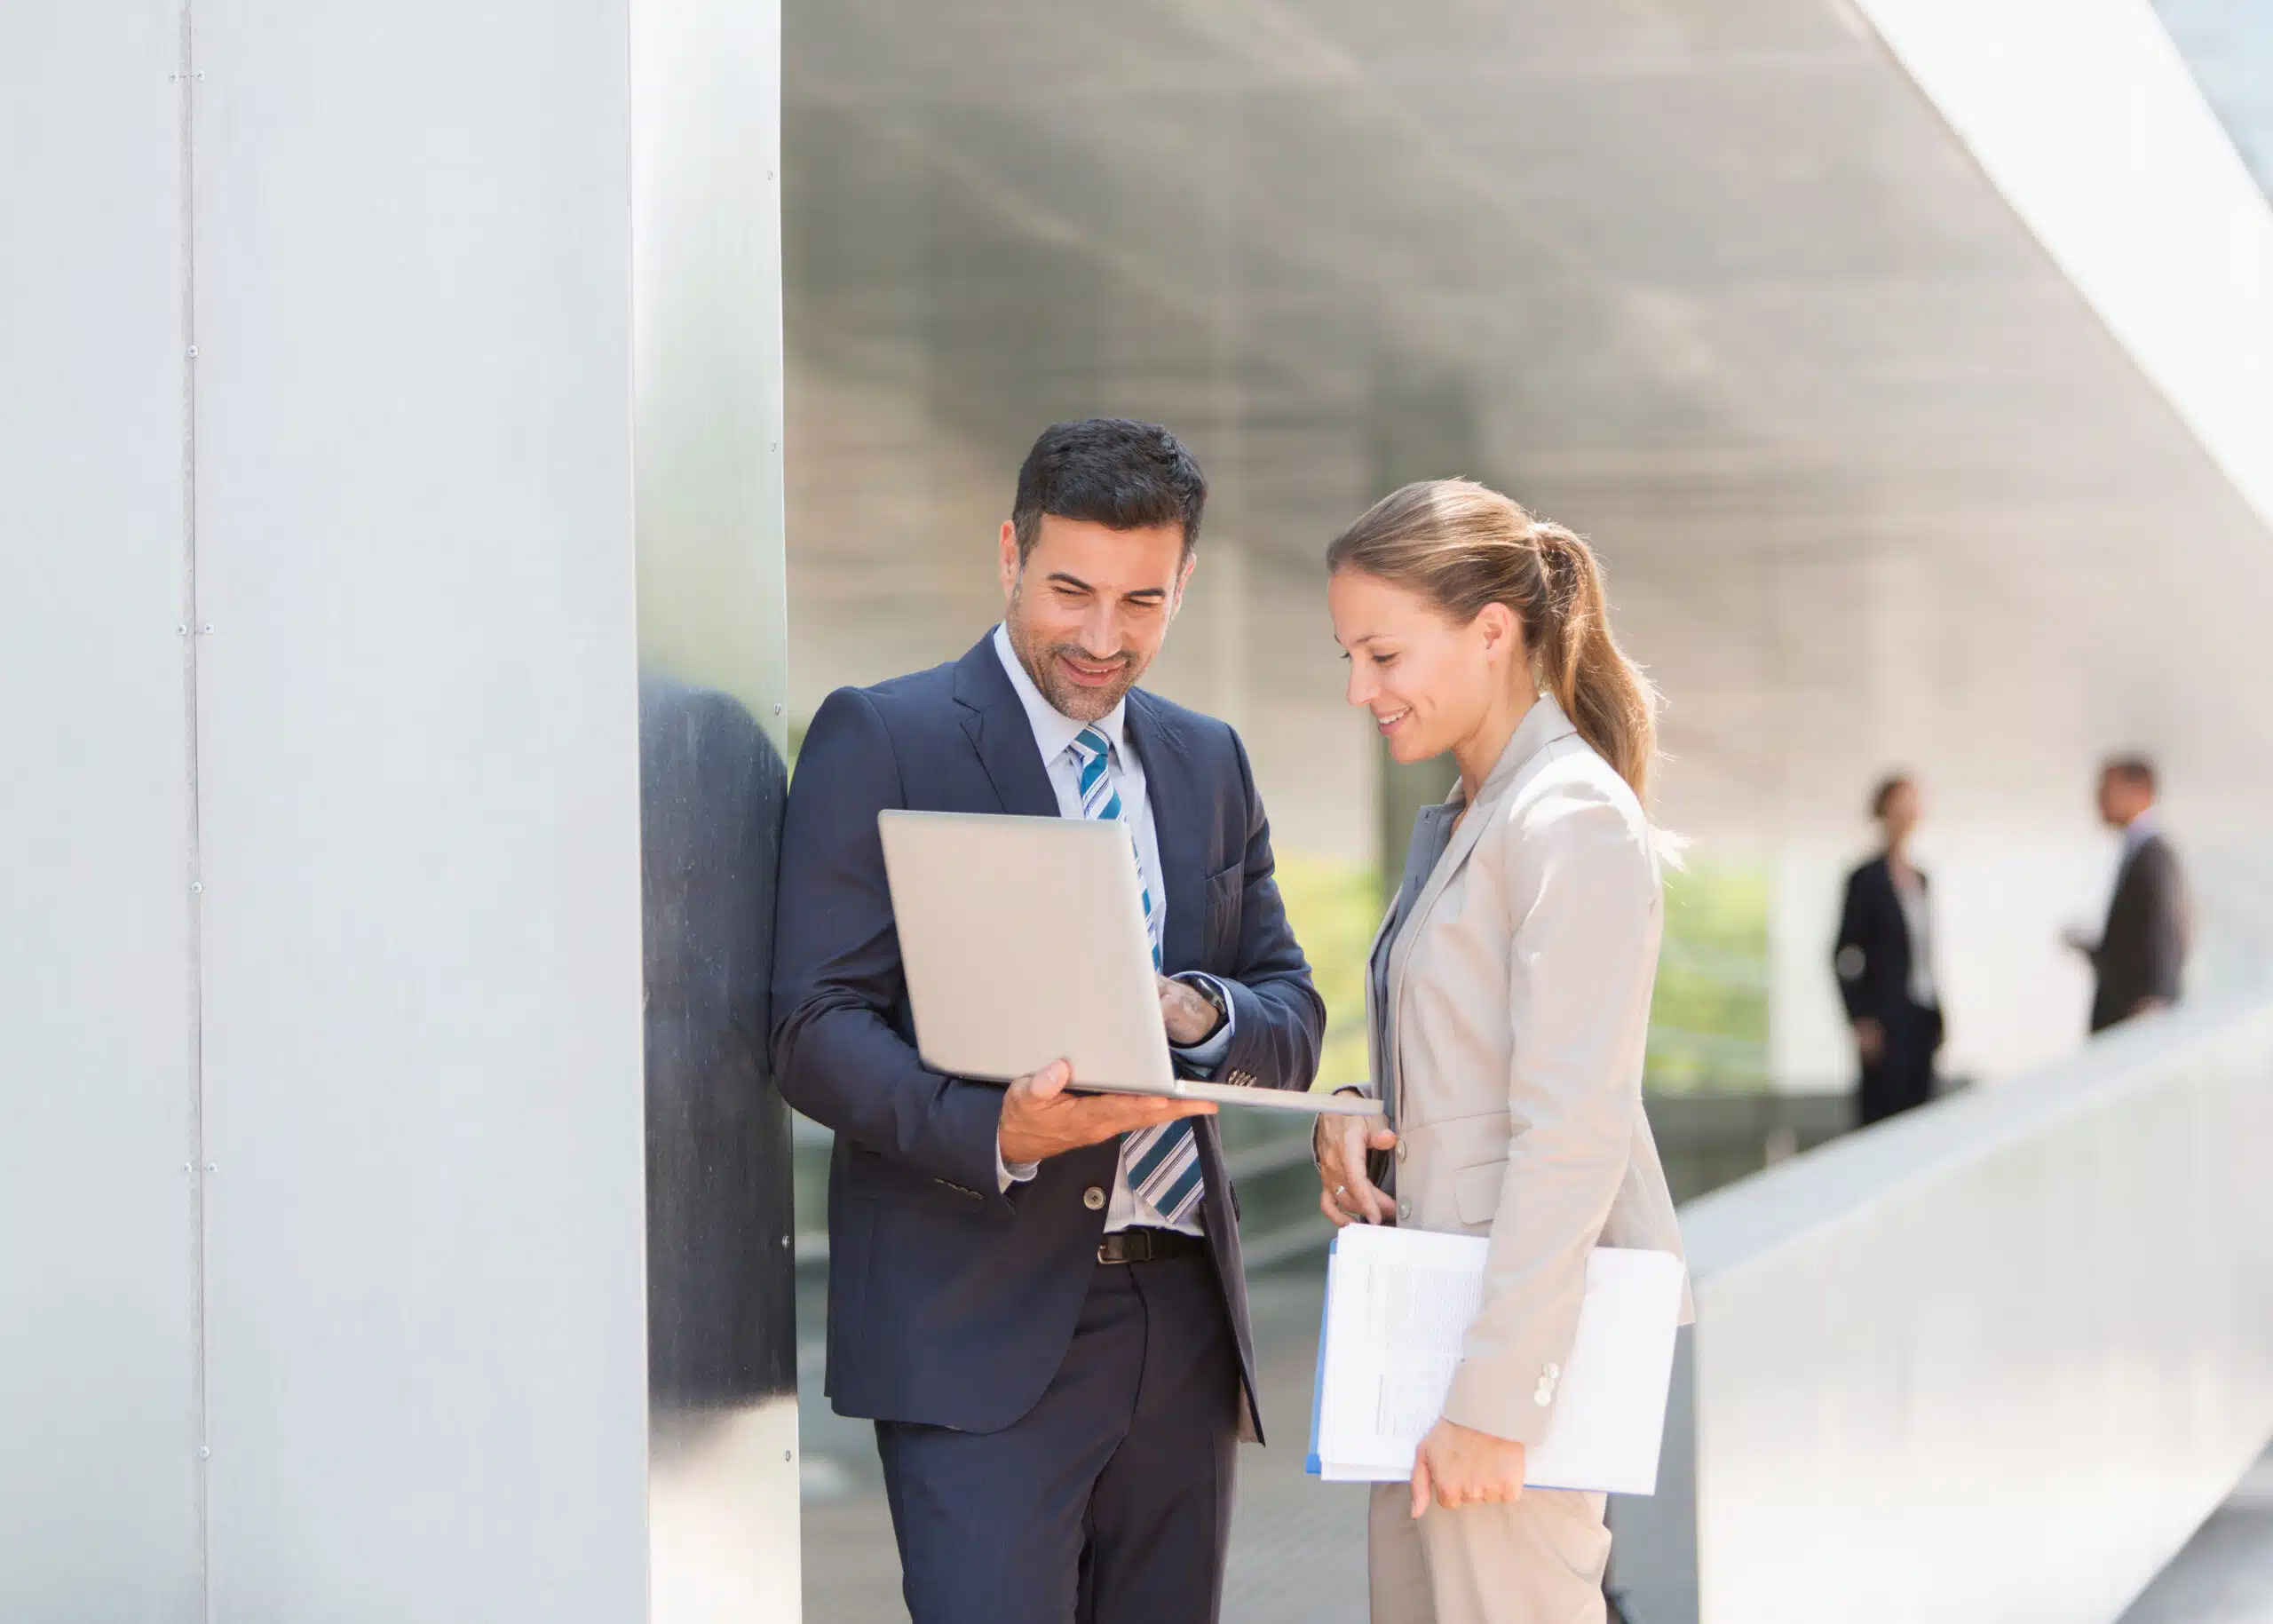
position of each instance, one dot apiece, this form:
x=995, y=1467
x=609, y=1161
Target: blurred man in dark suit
x=2141, y=954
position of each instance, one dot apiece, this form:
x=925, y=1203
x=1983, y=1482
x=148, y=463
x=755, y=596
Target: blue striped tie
x=1162, y=1164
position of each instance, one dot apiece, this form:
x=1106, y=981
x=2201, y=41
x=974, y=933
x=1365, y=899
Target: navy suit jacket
x=951, y=1304
x=2141, y=953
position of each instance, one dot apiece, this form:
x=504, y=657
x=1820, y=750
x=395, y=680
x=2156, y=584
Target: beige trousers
x=1539, y=1561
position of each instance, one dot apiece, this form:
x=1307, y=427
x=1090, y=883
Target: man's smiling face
x=1088, y=607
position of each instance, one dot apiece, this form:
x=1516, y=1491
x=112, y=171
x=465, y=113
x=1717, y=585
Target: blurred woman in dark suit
x=1885, y=962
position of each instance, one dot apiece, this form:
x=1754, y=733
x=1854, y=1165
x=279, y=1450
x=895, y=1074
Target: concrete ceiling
x=1709, y=281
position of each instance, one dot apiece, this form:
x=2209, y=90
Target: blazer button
x=1542, y=1396
x=1093, y=1198
x=1401, y=1148
x=1405, y=1209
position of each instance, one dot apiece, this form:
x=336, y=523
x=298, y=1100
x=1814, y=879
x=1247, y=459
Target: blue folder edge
x=1318, y=1382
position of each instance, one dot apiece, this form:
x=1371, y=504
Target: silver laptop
x=1023, y=941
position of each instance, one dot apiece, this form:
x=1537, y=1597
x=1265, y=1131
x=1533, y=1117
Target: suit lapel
x=996, y=725
x=1173, y=792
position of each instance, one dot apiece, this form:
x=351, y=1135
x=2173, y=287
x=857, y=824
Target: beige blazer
x=1512, y=1069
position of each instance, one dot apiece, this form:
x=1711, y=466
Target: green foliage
x=1334, y=908
x=1708, y=1023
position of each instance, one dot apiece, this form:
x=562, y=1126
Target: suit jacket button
x=1093, y=1198
x=1405, y=1209
x=1401, y=1148
x=1541, y=1397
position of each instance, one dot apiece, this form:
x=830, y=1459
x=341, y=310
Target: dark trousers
x=1109, y=1501
x=1903, y=1076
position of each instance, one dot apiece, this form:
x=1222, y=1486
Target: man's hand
x=1189, y=1016
x=1040, y=1120
x=1870, y=1039
x=1459, y=1467
x=1347, y=1196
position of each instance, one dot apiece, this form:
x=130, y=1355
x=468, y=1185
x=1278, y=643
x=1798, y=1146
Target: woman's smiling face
x=1429, y=682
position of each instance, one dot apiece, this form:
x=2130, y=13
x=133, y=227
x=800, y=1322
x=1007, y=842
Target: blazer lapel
x=996, y=725
x=1175, y=794
x=1379, y=1049
x=1542, y=726
x=1464, y=841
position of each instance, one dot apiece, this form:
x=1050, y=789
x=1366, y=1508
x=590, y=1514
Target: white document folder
x=1398, y=1304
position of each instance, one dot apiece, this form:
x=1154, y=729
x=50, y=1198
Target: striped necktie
x=1162, y=1163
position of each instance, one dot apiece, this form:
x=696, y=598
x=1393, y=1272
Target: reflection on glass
x=722, y=1490
x=720, y=1312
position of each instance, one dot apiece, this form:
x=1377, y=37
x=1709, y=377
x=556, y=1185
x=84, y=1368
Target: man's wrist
x=1214, y=997
x=1007, y=1172
x=1195, y=992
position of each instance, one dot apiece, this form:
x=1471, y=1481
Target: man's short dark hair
x=2135, y=770
x=1114, y=471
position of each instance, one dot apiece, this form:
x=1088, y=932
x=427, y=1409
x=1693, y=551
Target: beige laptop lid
x=1022, y=942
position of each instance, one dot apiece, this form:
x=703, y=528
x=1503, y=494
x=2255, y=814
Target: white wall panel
x=418, y=711
x=99, y=1500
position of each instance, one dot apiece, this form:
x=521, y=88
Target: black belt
x=1148, y=1246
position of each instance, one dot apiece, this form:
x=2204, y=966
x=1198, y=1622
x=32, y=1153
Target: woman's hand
x=1346, y=1195
x=1463, y=1467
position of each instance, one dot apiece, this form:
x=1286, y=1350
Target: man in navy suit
x=1035, y=1294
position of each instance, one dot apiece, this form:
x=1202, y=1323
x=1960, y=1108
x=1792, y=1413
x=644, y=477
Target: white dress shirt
x=1918, y=924
x=2136, y=832
x=1054, y=732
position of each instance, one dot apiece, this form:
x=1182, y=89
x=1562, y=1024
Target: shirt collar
x=1053, y=729
x=2140, y=830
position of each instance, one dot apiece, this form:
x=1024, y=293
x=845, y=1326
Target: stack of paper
x=1398, y=1304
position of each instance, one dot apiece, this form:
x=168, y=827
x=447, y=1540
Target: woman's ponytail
x=1609, y=701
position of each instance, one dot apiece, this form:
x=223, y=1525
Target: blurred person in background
x=2139, y=957
x=1885, y=962
x=1509, y=1006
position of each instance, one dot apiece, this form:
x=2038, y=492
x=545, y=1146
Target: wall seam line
x=192, y=632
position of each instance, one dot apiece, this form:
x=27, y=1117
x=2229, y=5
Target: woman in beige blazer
x=1509, y=1004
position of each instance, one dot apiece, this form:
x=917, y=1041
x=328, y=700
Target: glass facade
x=2229, y=46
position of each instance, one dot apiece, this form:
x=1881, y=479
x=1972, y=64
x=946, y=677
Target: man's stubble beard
x=1081, y=704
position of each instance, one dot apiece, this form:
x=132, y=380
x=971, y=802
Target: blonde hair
x=1462, y=545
